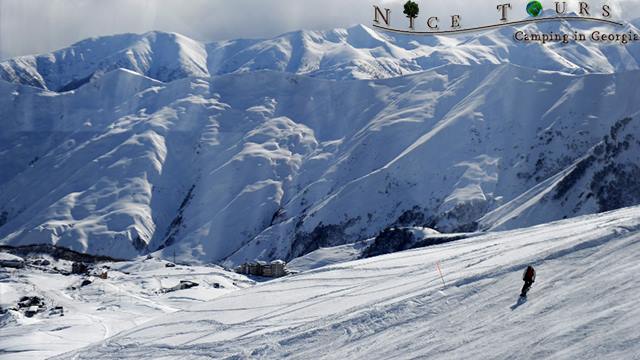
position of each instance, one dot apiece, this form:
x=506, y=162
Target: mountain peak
x=160, y=55
x=363, y=37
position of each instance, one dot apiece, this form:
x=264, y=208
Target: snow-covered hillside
x=605, y=178
x=80, y=310
x=226, y=153
x=582, y=306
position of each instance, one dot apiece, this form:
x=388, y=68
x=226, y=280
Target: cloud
x=35, y=26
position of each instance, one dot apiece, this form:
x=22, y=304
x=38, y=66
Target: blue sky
x=35, y=26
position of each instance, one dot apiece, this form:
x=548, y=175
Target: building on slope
x=274, y=269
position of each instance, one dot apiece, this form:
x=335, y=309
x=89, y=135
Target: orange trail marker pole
x=440, y=272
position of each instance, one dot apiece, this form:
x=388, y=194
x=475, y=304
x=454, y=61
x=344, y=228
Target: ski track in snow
x=395, y=306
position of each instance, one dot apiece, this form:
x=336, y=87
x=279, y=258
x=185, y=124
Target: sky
x=37, y=26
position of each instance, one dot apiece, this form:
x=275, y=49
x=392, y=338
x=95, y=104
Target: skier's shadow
x=521, y=300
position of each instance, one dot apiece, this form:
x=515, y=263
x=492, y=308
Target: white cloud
x=31, y=26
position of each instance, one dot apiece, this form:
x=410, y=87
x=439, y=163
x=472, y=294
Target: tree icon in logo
x=411, y=9
x=534, y=8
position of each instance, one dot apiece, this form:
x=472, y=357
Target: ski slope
x=131, y=295
x=582, y=306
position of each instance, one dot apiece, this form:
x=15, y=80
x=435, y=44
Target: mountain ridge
x=358, y=52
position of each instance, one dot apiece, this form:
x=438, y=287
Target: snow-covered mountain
x=162, y=56
x=358, y=52
x=268, y=149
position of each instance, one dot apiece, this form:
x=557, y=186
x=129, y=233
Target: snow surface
x=9, y=257
x=583, y=304
x=328, y=256
x=130, y=296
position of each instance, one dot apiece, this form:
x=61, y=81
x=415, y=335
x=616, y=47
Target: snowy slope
x=605, y=178
x=328, y=256
x=130, y=296
x=396, y=306
x=272, y=165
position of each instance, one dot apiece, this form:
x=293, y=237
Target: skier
x=529, y=277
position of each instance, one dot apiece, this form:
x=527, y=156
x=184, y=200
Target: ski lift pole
x=440, y=272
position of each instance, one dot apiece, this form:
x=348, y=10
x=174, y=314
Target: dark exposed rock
x=176, y=223
x=74, y=84
x=321, y=236
x=390, y=240
x=56, y=253
x=79, y=268
x=56, y=311
x=29, y=301
x=11, y=261
x=278, y=216
x=41, y=262
x=615, y=171
x=183, y=285
x=618, y=126
x=31, y=305
x=617, y=186
x=462, y=218
x=413, y=217
x=139, y=243
x=32, y=311
x=573, y=177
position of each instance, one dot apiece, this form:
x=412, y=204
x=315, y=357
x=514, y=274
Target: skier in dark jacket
x=529, y=277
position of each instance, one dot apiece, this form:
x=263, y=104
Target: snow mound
x=10, y=258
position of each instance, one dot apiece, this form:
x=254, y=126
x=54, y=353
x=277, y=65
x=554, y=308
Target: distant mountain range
x=245, y=149
x=358, y=52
